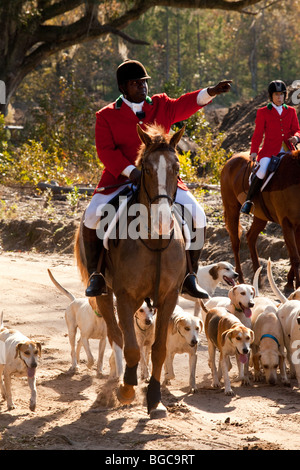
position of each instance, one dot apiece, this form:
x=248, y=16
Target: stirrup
x=246, y=207
x=97, y=285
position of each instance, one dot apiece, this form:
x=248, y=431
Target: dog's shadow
x=70, y=385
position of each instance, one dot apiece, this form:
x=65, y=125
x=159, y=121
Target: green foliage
x=31, y=163
x=210, y=156
x=6, y=160
x=63, y=121
x=58, y=138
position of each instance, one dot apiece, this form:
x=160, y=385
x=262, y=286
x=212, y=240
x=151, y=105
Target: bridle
x=150, y=199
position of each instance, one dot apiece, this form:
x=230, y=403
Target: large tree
x=32, y=30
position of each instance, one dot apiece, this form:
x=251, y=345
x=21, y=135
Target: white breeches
x=263, y=166
x=185, y=198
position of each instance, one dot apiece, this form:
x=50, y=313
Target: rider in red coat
x=117, y=145
x=118, y=142
x=278, y=124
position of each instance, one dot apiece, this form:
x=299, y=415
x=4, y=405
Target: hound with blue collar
x=268, y=347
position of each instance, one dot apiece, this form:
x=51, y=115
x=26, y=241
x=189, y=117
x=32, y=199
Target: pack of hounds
x=262, y=334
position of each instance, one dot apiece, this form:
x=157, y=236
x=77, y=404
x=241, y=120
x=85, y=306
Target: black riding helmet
x=275, y=86
x=130, y=70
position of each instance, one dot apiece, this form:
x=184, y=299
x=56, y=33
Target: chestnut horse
x=279, y=202
x=132, y=273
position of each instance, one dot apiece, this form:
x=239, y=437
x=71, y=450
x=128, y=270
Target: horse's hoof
x=160, y=411
x=126, y=394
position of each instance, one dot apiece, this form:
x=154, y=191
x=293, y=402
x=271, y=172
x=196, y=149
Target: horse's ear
x=176, y=137
x=145, y=138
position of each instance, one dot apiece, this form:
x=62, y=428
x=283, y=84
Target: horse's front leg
x=106, y=307
x=126, y=307
x=155, y=407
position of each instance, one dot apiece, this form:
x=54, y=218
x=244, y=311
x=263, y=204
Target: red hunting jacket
x=276, y=128
x=117, y=140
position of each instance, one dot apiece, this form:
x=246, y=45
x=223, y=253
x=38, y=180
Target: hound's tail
x=274, y=288
x=61, y=288
x=255, y=281
x=203, y=306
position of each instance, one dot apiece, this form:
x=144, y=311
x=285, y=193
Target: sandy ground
x=68, y=416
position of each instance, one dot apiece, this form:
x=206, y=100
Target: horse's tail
x=79, y=255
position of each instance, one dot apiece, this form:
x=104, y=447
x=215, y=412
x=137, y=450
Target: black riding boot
x=93, y=247
x=190, y=285
x=255, y=186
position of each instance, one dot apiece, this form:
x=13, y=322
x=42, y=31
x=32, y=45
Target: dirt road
x=68, y=415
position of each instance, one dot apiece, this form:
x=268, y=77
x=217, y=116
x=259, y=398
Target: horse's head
x=160, y=169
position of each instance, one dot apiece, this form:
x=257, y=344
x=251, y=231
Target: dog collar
x=272, y=337
x=137, y=324
x=238, y=309
x=98, y=314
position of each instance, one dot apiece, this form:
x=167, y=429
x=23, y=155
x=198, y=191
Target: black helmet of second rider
x=277, y=86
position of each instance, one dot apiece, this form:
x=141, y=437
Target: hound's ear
x=176, y=137
x=224, y=336
x=231, y=292
x=201, y=325
x=39, y=348
x=145, y=138
x=214, y=272
x=18, y=349
x=251, y=336
x=176, y=324
x=174, y=329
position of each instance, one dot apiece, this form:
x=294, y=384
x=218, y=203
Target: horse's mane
x=159, y=140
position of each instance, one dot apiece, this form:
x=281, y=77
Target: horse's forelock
x=159, y=140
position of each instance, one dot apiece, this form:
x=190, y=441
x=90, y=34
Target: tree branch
x=238, y=5
x=52, y=10
x=70, y=36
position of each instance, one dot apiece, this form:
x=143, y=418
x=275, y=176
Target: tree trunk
x=27, y=36
x=178, y=49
